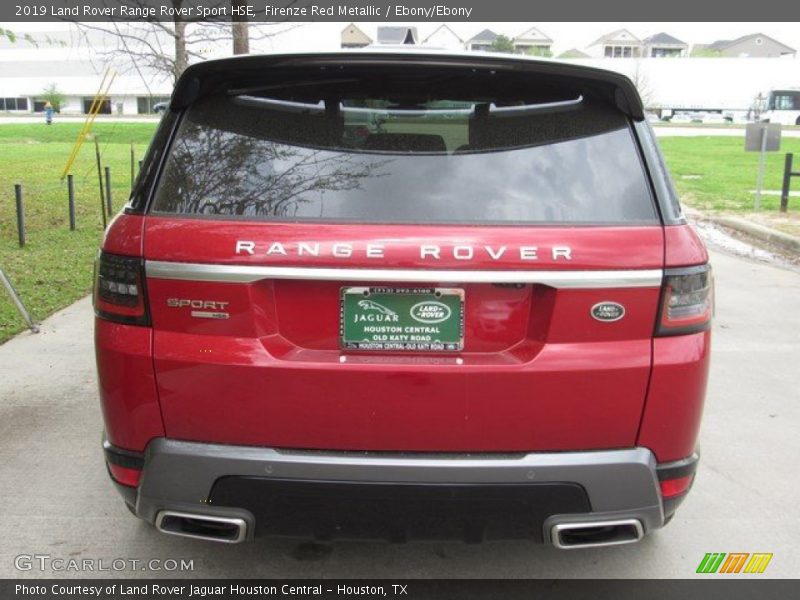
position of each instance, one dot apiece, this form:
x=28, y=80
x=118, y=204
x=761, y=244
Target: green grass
x=716, y=174
x=55, y=267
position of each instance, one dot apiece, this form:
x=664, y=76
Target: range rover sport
x=403, y=295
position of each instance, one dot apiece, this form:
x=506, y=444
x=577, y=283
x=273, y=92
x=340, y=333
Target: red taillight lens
x=687, y=301
x=119, y=293
x=675, y=487
x=125, y=475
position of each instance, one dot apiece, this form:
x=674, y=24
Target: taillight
x=125, y=475
x=687, y=301
x=675, y=487
x=119, y=293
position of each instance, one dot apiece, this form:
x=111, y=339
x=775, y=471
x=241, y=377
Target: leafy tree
x=502, y=44
x=540, y=51
x=13, y=37
x=572, y=53
x=705, y=53
x=52, y=95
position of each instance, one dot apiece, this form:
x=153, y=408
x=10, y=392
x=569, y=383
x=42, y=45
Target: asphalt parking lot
x=57, y=500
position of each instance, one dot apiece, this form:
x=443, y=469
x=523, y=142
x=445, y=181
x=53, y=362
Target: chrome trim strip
x=251, y=273
x=240, y=524
x=557, y=529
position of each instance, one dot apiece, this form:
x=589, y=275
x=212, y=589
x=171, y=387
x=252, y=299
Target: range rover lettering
x=403, y=295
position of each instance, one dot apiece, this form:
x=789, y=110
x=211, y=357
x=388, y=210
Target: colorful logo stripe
x=714, y=562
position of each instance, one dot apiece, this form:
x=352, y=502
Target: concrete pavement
x=57, y=501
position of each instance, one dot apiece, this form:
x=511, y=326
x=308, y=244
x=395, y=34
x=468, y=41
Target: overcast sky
x=325, y=36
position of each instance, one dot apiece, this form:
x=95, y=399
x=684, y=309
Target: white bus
x=783, y=106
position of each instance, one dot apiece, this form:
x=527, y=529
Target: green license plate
x=402, y=319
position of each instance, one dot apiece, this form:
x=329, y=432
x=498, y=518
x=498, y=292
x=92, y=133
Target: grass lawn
x=55, y=267
x=716, y=174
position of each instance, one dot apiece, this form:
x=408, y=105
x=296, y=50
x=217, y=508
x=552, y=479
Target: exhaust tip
x=228, y=530
x=593, y=534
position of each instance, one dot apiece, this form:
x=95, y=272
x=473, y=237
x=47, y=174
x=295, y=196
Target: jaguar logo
x=430, y=312
x=608, y=312
x=372, y=305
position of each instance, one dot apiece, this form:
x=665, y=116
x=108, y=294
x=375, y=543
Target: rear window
x=526, y=160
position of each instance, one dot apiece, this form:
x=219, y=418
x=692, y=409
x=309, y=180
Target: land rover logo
x=430, y=311
x=608, y=311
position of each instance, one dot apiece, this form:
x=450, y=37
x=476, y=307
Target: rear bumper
x=241, y=482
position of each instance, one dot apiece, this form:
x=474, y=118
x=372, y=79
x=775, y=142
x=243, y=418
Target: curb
x=758, y=231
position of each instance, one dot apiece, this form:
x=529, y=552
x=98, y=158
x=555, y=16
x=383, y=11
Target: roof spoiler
x=210, y=76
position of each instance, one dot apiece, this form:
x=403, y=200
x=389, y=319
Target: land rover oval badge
x=608, y=312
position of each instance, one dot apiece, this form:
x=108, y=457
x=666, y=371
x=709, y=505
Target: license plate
x=402, y=319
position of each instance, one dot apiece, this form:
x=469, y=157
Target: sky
x=325, y=36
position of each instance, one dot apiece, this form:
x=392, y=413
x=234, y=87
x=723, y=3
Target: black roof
x=487, y=35
x=664, y=38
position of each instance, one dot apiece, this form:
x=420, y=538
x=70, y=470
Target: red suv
x=403, y=295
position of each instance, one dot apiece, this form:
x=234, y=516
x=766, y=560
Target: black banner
x=394, y=10
x=406, y=589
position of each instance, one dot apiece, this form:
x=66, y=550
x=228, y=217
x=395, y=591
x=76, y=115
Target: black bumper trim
x=123, y=458
x=328, y=510
x=675, y=470
x=678, y=468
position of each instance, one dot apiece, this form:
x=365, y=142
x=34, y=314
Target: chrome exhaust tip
x=228, y=530
x=593, y=534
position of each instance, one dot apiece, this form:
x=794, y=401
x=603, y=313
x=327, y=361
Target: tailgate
x=537, y=370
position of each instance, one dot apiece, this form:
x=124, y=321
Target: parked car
x=491, y=325
x=682, y=117
x=714, y=118
x=160, y=107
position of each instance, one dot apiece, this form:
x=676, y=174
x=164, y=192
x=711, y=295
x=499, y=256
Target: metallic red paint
x=124, y=235
x=683, y=247
x=537, y=372
x=214, y=241
x=674, y=406
x=127, y=384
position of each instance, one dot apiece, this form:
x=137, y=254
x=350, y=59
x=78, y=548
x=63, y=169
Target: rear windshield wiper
x=534, y=109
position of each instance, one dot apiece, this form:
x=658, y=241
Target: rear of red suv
x=403, y=295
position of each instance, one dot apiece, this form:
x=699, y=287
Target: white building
x=533, y=41
x=482, y=41
x=445, y=38
x=74, y=63
x=617, y=44
x=663, y=45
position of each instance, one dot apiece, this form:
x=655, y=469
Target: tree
x=502, y=43
x=12, y=37
x=52, y=95
x=704, y=52
x=212, y=171
x=642, y=83
x=167, y=47
x=240, y=29
x=540, y=51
